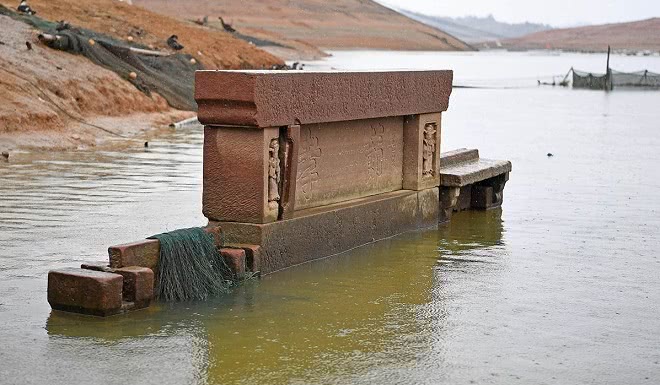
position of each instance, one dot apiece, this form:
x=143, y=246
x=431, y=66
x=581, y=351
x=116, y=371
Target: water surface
x=562, y=285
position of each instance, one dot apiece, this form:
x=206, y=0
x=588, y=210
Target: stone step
x=464, y=167
x=85, y=291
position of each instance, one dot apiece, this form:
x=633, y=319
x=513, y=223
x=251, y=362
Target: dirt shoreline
x=46, y=94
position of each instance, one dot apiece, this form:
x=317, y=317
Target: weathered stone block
x=482, y=197
x=252, y=255
x=235, y=259
x=138, y=285
x=236, y=174
x=448, y=201
x=464, y=167
x=85, y=291
x=143, y=253
x=324, y=231
x=341, y=161
x=275, y=99
x=421, y=151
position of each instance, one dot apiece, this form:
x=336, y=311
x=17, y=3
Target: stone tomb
x=310, y=164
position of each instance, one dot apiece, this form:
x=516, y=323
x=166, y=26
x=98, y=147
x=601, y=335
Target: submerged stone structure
x=307, y=165
x=304, y=165
x=470, y=182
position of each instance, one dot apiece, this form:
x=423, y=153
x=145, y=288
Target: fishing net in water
x=636, y=79
x=190, y=266
x=645, y=79
x=589, y=80
x=171, y=76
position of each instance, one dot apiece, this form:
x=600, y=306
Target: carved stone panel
x=421, y=159
x=341, y=161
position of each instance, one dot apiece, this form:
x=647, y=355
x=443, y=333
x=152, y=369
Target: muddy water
x=562, y=285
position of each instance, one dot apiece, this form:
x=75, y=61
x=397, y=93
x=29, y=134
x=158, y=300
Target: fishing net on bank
x=170, y=75
x=190, y=266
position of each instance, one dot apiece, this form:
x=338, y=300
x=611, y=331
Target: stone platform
x=470, y=182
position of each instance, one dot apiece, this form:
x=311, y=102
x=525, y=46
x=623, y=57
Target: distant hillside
x=634, y=36
x=472, y=29
x=325, y=24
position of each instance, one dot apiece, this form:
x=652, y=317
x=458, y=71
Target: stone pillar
x=421, y=151
x=242, y=174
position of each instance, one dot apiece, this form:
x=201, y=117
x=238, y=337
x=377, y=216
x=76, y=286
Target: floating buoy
x=193, y=61
x=91, y=42
x=132, y=75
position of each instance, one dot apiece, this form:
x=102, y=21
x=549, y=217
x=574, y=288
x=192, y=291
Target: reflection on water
x=559, y=286
x=341, y=316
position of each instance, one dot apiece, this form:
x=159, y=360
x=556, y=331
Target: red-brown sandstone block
x=252, y=255
x=235, y=259
x=274, y=99
x=85, y=291
x=138, y=285
x=142, y=253
x=236, y=167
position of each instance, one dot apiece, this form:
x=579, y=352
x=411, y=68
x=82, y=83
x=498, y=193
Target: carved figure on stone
x=274, y=171
x=428, y=152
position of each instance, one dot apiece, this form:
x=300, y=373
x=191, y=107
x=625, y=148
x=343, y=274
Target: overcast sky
x=554, y=12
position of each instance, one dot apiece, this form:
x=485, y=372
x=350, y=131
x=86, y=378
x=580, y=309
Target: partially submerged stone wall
x=310, y=164
x=300, y=166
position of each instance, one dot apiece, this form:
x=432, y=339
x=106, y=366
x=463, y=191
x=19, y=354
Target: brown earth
x=46, y=96
x=633, y=36
x=344, y=24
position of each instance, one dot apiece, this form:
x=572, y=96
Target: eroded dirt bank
x=53, y=99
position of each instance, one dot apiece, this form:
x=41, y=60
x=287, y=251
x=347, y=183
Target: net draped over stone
x=190, y=266
x=171, y=76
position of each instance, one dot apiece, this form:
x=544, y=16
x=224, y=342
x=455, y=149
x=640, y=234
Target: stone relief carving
x=376, y=151
x=308, y=158
x=428, y=152
x=274, y=171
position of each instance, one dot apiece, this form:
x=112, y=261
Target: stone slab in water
x=464, y=167
x=85, y=291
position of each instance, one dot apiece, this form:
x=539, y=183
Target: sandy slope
x=638, y=35
x=322, y=23
x=44, y=93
